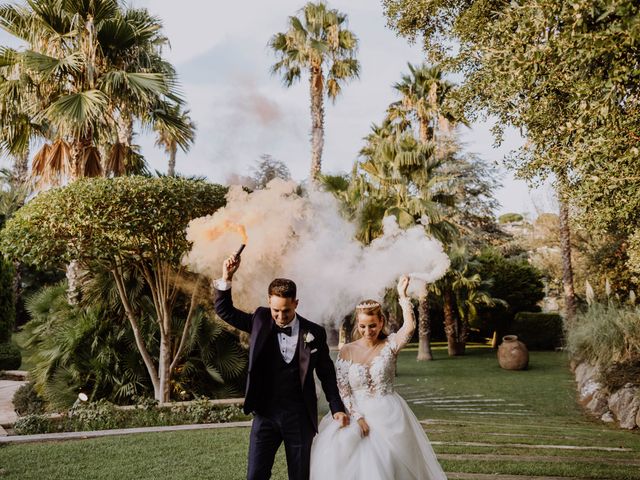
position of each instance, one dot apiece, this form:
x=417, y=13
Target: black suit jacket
x=259, y=325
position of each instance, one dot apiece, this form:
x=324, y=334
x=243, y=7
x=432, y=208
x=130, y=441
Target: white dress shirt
x=288, y=343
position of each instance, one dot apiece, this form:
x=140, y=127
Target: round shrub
x=10, y=356
x=26, y=400
x=34, y=424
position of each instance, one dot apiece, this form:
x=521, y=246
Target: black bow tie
x=285, y=330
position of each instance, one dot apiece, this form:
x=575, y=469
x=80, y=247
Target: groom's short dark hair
x=283, y=287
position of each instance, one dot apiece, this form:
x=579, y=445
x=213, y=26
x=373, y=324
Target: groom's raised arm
x=327, y=374
x=223, y=304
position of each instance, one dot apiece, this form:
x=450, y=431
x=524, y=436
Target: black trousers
x=269, y=431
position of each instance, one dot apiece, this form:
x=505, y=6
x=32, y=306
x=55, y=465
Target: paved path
x=7, y=389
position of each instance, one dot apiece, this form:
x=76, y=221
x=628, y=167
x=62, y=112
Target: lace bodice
x=375, y=377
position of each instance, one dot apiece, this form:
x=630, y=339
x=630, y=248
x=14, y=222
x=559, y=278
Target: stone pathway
x=7, y=390
x=475, y=404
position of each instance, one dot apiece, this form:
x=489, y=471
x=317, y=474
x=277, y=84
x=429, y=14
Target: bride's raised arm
x=403, y=336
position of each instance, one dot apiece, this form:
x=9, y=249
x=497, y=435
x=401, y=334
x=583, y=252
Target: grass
x=546, y=393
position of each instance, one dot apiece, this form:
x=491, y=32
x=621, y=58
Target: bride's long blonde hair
x=369, y=307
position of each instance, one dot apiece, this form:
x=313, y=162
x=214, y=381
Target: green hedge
x=7, y=301
x=102, y=415
x=538, y=331
x=10, y=357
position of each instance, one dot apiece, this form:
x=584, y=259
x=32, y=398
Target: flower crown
x=368, y=304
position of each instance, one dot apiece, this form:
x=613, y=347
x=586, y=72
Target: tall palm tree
x=174, y=129
x=319, y=42
x=425, y=96
x=89, y=70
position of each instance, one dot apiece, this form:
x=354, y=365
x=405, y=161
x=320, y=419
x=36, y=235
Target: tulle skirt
x=395, y=449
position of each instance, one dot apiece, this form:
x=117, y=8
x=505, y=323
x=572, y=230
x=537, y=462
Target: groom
x=284, y=351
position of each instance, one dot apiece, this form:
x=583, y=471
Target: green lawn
x=480, y=418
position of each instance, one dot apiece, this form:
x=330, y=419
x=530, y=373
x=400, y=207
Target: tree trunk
x=73, y=282
x=137, y=333
x=164, y=369
x=317, y=122
x=171, y=170
x=567, y=270
x=455, y=344
x=424, y=329
x=425, y=131
x=450, y=327
x=21, y=168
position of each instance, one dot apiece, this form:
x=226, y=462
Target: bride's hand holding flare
x=403, y=284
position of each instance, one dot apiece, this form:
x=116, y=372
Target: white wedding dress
x=396, y=447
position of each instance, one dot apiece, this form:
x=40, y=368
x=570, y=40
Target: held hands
x=229, y=267
x=403, y=284
x=342, y=418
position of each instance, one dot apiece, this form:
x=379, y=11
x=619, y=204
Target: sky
x=220, y=51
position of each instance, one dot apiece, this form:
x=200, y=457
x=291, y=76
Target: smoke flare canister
x=237, y=254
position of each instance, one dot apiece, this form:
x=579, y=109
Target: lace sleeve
x=403, y=336
x=342, y=376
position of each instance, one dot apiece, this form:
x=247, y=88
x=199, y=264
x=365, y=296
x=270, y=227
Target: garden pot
x=513, y=354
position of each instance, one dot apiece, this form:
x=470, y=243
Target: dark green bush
x=7, y=301
x=514, y=281
x=10, y=356
x=538, y=331
x=26, y=400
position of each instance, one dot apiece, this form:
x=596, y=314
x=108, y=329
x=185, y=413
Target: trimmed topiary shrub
x=10, y=357
x=538, y=331
x=26, y=400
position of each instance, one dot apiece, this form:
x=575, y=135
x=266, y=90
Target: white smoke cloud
x=308, y=241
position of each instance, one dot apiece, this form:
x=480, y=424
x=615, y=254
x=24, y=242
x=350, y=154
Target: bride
x=384, y=440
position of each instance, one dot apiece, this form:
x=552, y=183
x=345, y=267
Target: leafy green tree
x=514, y=281
x=116, y=225
x=317, y=41
x=564, y=73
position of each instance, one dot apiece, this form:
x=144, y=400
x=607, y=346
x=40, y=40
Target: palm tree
x=425, y=94
x=462, y=291
x=174, y=129
x=317, y=41
x=89, y=70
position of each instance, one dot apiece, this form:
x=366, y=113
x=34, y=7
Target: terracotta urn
x=513, y=354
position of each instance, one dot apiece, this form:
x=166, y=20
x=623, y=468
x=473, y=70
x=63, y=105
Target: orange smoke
x=226, y=227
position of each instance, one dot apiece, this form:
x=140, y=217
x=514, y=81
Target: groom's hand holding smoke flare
x=230, y=266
